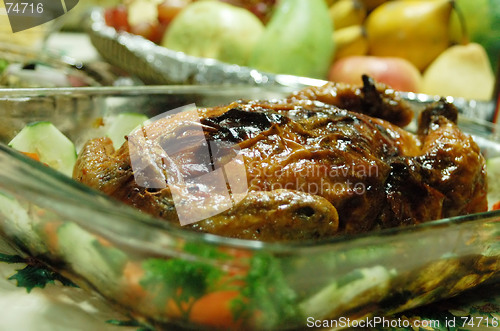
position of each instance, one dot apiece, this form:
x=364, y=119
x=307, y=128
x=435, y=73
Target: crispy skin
x=370, y=99
x=314, y=170
x=275, y=215
x=447, y=178
x=262, y=215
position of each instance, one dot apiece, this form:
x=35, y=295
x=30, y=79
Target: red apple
x=152, y=31
x=116, y=17
x=398, y=73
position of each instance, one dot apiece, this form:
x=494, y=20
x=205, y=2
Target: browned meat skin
x=452, y=162
x=260, y=215
x=448, y=177
x=371, y=99
x=275, y=215
x=326, y=151
x=313, y=170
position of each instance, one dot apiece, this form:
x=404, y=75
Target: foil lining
x=154, y=64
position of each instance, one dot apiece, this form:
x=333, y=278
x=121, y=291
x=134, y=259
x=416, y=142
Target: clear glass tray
x=169, y=276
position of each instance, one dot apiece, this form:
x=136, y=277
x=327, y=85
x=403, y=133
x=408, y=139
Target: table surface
x=58, y=307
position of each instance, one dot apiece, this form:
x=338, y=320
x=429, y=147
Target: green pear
x=482, y=25
x=460, y=71
x=297, y=40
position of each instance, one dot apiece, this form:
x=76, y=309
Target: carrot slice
x=34, y=156
x=133, y=274
x=214, y=310
x=50, y=231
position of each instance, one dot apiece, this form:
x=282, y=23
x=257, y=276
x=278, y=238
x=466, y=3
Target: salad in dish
x=232, y=287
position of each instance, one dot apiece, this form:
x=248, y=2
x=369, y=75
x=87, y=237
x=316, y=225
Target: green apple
x=214, y=29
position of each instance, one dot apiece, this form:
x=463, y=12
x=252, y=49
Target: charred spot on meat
x=326, y=161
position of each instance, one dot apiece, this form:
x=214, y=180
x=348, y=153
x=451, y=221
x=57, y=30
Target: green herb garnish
x=266, y=295
x=178, y=280
x=35, y=274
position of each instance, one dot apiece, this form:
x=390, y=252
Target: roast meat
x=325, y=161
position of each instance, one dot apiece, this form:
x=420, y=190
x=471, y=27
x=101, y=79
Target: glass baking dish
x=167, y=276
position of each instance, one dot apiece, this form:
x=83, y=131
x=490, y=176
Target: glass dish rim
x=132, y=90
x=219, y=90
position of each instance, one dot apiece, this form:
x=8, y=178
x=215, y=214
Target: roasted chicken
x=325, y=161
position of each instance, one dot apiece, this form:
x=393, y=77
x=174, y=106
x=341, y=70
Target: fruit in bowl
x=313, y=37
x=453, y=44
x=297, y=40
x=396, y=72
x=460, y=71
x=216, y=30
x=294, y=38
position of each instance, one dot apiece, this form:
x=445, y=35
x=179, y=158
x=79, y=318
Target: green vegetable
x=19, y=223
x=205, y=251
x=98, y=263
x=123, y=125
x=297, y=40
x=493, y=170
x=267, y=293
x=34, y=274
x=178, y=280
x=141, y=326
x=265, y=302
x=359, y=286
x=214, y=29
x=52, y=147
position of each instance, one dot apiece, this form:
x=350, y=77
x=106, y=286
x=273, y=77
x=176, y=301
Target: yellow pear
x=350, y=41
x=411, y=29
x=345, y=13
x=330, y=2
x=372, y=4
x=460, y=71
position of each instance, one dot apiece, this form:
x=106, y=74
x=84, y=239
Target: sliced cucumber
x=17, y=223
x=122, y=125
x=361, y=286
x=97, y=263
x=493, y=169
x=52, y=147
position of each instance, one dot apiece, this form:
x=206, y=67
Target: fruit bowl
x=157, y=65
x=171, y=277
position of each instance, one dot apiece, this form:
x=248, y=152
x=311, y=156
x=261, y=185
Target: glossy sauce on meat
x=318, y=164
